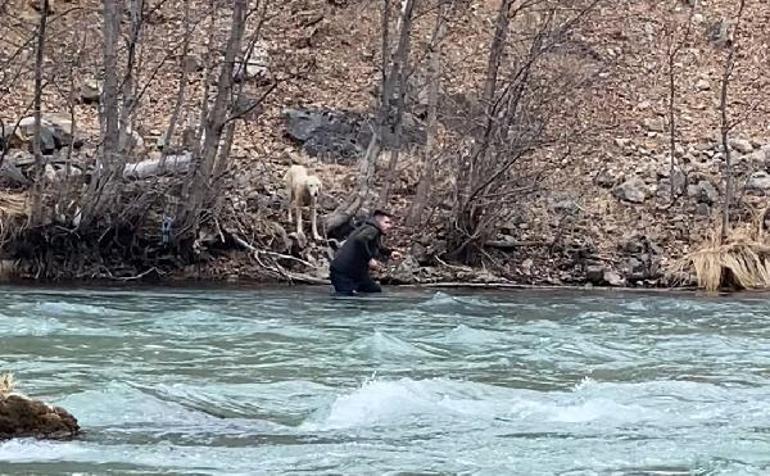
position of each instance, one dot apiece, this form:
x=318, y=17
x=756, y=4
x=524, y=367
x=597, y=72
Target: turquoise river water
x=292, y=381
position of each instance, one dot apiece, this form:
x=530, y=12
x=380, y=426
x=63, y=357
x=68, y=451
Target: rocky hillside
x=602, y=212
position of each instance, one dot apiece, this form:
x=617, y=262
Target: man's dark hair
x=381, y=213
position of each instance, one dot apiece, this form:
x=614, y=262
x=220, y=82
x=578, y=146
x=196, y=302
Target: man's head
x=384, y=221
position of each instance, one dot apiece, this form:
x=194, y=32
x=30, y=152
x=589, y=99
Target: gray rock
x=406, y=272
x=595, y=274
x=702, y=209
x=568, y=207
x=56, y=131
x=90, y=91
x=256, y=65
x=703, y=85
x=621, y=142
x=741, y=145
x=342, y=135
x=9, y=170
x=759, y=181
x=192, y=64
x=703, y=192
x=20, y=158
x=634, y=269
x=720, y=33
x=633, y=190
x=633, y=243
x=420, y=253
x=613, y=279
x=679, y=180
x=657, y=124
x=605, y=180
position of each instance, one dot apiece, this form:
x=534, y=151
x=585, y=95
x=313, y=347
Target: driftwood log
x=170, y=165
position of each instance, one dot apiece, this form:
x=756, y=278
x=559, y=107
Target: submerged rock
x=24, y=417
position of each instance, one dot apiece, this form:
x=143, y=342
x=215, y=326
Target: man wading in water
x=363, y=250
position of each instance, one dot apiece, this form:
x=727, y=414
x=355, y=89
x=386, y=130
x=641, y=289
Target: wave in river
x=381, y=344
x=604, y=405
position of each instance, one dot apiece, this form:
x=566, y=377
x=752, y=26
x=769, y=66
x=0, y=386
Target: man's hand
x=374, y=264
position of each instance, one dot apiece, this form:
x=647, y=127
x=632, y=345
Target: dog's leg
x=299, y=219
x=314, y=218
x=290, y=193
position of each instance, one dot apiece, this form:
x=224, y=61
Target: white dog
x=303, y=190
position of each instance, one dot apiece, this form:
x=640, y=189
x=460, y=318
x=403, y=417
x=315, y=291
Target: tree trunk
x=113, y=12
x=402, y=59
x=434, y=74
x=36, y=147
x=366, y=164
x=181, y=92
x=725, y=127
x=215, y=122
x=129, y=80
x=468, y=169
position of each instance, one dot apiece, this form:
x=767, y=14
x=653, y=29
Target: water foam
x=394, y=403
x=62, y=308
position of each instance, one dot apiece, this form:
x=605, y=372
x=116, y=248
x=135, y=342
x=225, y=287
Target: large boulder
x=55, y=132
x=341, y=135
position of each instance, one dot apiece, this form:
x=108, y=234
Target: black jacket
x=361, y=246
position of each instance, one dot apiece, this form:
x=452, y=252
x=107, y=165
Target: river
x=292, y=381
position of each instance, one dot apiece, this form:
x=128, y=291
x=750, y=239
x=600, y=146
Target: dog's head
x=313, y=185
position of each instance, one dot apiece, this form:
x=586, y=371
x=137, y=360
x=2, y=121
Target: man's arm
x=383, y=253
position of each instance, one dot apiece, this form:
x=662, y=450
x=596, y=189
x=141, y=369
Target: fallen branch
x=251, y=248
x=306, y=278
x=509, y=245
x=139, y=276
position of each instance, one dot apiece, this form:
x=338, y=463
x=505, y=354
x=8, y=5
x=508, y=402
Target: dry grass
x=742, y=261
x=6, y=384
x=13, y=205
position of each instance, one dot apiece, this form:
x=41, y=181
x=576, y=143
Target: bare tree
x=36, y=146
x=108, y=164
x=725, y=125
x=391, y=74
x=198, y=191
x=182, y=91
x=434, y=74
x=520, y=99
x=402, y=60
x=674, y=47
